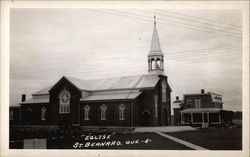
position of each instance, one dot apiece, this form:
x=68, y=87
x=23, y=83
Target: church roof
x=115, y=95
x=118, y=88
x=155, y=43
x=106, y=84
x=36, y=101
x=43, y=91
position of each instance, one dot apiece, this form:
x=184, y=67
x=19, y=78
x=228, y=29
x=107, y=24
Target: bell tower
x=155, y=56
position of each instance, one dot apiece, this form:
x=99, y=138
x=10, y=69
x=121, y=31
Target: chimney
x=202, y=91
x=23, y=97
x=177, y=98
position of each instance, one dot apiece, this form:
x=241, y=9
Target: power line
x=181, y=24
x=209, y=48
x=204, y=19
x=193, y=58
x=195, y=21
x=168, y=22
x=201, y=51
x=128, y=66
x=216, y=48
x=202, y=55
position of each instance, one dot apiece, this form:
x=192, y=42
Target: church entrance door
x=146, y=116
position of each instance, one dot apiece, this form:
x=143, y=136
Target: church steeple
x=155, y=56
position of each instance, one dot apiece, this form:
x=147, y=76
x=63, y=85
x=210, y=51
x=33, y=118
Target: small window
x=43, y=113
x=11, y=114
x=214, y=117
x=189, y=102
x=86, y=112
x=122, y=112
x=197, y=103
x=29, y=110
x=186, y=118
x=103, y=112
x=197, y=117
x=64, y=109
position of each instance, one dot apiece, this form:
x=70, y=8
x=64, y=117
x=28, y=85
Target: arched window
x=153, y=64
x=163, y=91
x=103, y=112
x=86, y=112
x=158, y=64
x=43, y=113
x=156, y=105
x=122, y=112
x=29, y=110
x=64, y=101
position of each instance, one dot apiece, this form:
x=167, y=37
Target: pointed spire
x=154, y=20
x=155, y=43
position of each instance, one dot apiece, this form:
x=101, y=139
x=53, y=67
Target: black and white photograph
x=126, y=78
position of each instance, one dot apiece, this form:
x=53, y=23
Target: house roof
x=215, y=97
x=118, y=83
x=198, y=110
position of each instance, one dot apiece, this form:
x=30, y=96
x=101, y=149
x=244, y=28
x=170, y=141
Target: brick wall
x=67, y=118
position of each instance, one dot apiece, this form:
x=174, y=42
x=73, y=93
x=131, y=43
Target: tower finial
x=154, y=20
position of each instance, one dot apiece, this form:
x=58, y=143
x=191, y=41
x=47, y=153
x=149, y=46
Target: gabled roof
x=215, y=97
x=106, y=84
x=44, y=91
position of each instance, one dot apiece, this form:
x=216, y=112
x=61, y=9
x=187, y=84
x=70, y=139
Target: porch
x=201, y=116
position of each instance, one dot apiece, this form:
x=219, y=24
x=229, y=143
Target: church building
x=142, y=100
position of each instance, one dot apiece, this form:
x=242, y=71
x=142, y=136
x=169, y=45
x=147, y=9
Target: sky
x=202, y=48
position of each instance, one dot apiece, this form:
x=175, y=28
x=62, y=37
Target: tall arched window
x=29, y=110
x=103, y=111
x=122, y=112
x=153, y=64
x=164, y=91
x=156, y=105
x=86, y=112
x=43, y=113
x=64, y=101
x=158, y=63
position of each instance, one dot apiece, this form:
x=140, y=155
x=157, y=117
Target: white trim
x=86, y=112
x=122, y=108
x=43, y=113
x=197, y=103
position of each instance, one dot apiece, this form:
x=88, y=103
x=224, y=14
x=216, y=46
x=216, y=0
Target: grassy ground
x=213, y=138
